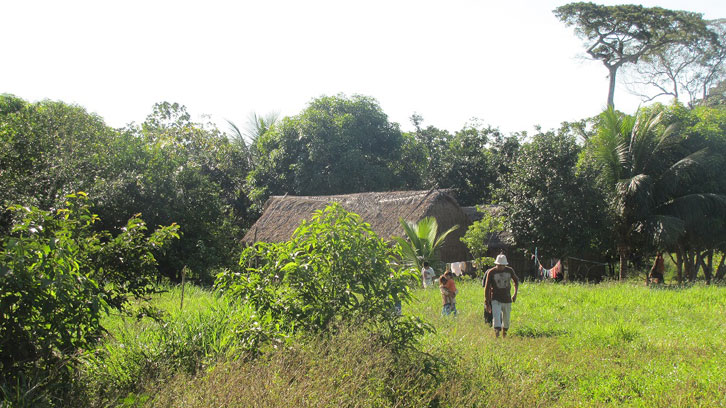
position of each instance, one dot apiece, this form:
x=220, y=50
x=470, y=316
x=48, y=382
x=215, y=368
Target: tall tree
x=684, y=71
x=548, y=204
x=623, y=34
x=336, y=145
x=648, y=171
x=434, y=143
x=172, y=169
x=49, y=149
x=470, y=169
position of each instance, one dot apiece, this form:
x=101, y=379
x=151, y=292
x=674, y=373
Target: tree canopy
x=623, y=34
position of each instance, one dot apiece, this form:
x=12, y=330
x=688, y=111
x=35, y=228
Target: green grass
x=572, y=345
x=569, y=345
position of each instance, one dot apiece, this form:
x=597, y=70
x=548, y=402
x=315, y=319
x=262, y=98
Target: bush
x=57, y=278
x=334, y=269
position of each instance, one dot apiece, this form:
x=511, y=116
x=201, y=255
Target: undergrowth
x=569, y=345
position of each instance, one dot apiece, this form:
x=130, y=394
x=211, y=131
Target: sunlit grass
x=611, y=344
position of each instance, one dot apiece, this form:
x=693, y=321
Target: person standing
x=448, y=293
x=497, y=294
x=427, y=275
x=658, y=270
x=487, y=312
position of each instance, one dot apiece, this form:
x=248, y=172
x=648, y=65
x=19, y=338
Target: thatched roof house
x=283, y=214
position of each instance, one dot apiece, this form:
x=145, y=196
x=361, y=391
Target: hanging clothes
x=556, y=270
x=552, y=273
x=456, y=268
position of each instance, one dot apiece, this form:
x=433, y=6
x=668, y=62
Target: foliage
x=333, y=270
x=624, y=34
x=171, y=169
x=336, y=145
x=49, y=149
x=423, y=241
x=649, y=172
x=433, y=144
x=478, y=235
x=547, y=204
x=58, y=277
x=470, y=165
x=471, y=162
x=702, y=127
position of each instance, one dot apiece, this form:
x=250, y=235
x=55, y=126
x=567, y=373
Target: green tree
x=648, y=171
x=702, y=127
x=423, y=240
x=547, y=203
x=478, y=235
x=470, y=165
x=171, y=169
x=58, y=277
x=334, y=270
x=49, y=149
x=434, y=143
x=623, y=34
x=337, y=145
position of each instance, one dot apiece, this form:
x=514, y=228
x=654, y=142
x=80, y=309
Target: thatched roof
x=283, y=214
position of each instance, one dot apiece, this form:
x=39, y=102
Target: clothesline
x=585, y=260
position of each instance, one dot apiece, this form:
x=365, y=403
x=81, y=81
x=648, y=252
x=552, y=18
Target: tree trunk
x=721, y=270
x=566, y=269
x=611, y=89
x=707, y=266
x=623, y=252
x=679, y=264
x=689, y=261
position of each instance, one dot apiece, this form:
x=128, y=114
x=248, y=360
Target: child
x=448, y=293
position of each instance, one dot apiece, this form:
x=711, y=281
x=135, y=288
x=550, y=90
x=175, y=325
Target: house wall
x=448, y=214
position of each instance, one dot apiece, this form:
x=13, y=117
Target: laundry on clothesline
x=460, y=268
x=544, y=273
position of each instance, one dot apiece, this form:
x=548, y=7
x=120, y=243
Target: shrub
x=57, y=278
x=334, y=269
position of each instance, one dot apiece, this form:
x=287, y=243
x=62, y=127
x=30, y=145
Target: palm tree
x=257, y=125
x=423, y=241
x=648, y=171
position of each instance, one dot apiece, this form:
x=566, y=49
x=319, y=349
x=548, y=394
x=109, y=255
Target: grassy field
x=569, y=345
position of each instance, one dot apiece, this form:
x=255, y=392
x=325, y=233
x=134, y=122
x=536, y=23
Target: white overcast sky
x=511, y=64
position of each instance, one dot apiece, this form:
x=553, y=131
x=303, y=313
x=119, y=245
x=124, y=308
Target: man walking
x=497, y=292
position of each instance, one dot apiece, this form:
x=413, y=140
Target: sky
x=510, y=64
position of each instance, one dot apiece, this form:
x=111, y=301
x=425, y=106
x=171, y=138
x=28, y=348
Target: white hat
x=501, y=260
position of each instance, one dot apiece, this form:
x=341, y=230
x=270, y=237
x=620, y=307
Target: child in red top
x=447, y=286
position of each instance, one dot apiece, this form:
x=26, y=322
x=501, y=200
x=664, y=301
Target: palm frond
x=683, y=171
x=693, y=207
x=664, y=230
x=443, y=236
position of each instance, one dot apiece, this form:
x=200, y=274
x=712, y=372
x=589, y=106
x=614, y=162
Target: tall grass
x=570, y=345
x=145, y=350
